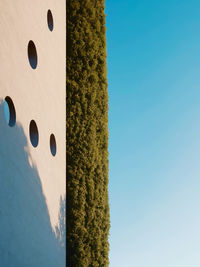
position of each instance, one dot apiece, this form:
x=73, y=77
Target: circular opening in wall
x=34, y=135
x=9, y=111
x=53, y=144
x=32, y=54
x=50, y=20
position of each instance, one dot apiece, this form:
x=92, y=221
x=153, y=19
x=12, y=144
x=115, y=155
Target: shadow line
x=26, y=235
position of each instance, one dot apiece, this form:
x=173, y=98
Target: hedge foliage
x=87, y=209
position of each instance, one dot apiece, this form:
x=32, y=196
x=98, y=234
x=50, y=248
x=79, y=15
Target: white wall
x=32, y=181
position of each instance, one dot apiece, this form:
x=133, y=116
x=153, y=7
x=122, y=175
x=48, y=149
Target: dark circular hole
x=32, y=54
x=9, y=111
x=53, y=144
x=50, y=20
x=34, y=135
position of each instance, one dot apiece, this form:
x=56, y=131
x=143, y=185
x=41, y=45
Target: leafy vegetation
x=87, y=208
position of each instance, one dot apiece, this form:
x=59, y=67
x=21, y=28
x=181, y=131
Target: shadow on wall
x=61, y=228
x=26, y=236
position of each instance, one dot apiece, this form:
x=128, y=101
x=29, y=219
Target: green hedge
x=88, y=221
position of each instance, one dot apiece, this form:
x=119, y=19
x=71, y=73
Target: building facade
x=32, y=133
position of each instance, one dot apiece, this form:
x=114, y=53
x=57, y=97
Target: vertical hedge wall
x=87, y=135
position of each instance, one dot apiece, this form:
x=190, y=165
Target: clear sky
x=154, y=124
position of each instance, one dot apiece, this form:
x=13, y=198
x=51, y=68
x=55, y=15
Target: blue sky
x=154, y=124
x=6, y=111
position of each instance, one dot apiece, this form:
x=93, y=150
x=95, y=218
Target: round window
x=9, y=111
x=34, y=135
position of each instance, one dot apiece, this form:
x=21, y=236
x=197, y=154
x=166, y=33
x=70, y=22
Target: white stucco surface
x=38, y=94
